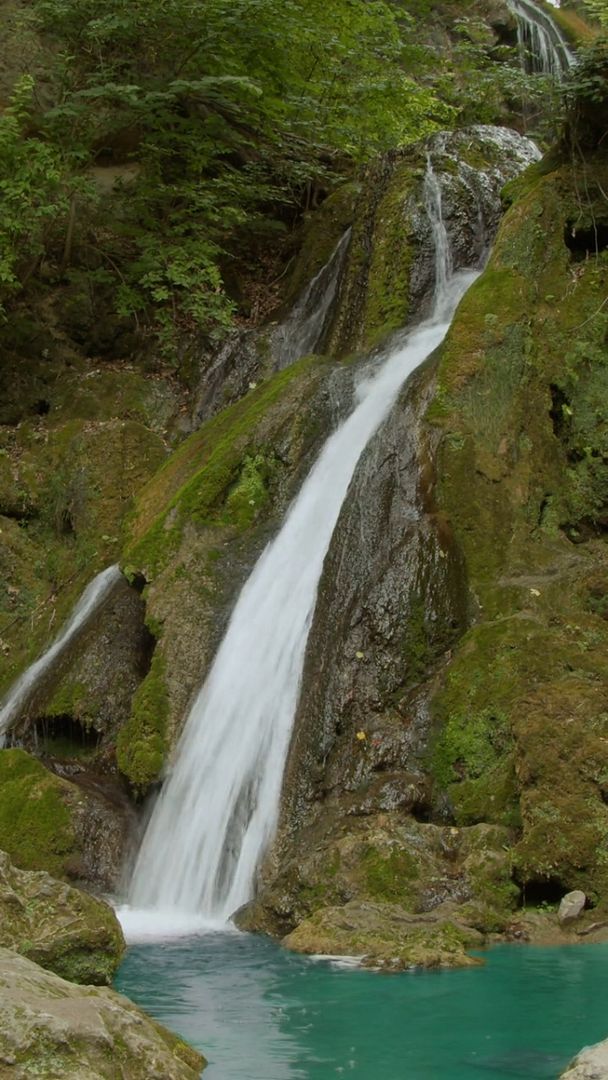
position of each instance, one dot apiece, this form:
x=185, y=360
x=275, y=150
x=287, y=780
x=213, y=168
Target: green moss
x=388, y=285
x=521, y=466
x=389, y=876
x=250, y=492
x=35, y=816
x=470, y=745
x=142, y=741
x=66, y=701
x=492, y=796
x=213, y=475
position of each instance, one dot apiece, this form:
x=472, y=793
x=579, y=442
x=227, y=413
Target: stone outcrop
x=389, y=273
x=50, y=1028
x=590, y=1064
x=571, y=907
x=521, y=715
x=57, y=926
x=198, y=528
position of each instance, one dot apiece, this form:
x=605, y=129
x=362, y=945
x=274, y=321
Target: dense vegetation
x=159, y=150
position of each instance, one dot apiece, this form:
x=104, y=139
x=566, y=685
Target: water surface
x=260, y=1013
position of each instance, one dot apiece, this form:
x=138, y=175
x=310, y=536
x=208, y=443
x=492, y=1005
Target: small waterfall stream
x=542, y=45
x=25, y=686
x=218, y=809
x=304, y=329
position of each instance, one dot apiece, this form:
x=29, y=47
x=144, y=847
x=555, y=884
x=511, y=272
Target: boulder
x=60, y=927
x=590, y=1064
x=386, y=936
x=51, y=1028
x=571, y=906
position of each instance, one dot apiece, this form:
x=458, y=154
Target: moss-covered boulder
x=388, y=858
x=51, y=1028
x=386, y=936
x=57, y=926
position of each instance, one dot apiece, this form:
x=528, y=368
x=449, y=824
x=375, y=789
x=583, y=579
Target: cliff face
x=509, y=733
x=522, y=478
x=449, y=748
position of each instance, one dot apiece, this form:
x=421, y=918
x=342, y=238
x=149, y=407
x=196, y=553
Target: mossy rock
x=57, y=926
x=521, y=465
x=386, y=936
x=51, y=1028
x=220, y=476
x=36, y=815
x=142, y=741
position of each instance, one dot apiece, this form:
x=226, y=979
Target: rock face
x=51, y=1028
x=198, y=528
x=571, y=906
x=61, y=928
x=590, y=1064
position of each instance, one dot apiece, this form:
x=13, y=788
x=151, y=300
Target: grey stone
x=51, y=1028
x=571, y=906
x=590, y=1064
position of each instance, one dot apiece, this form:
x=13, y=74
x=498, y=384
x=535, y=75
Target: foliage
x=233, y=111
x=30, y=191
x=223, y=121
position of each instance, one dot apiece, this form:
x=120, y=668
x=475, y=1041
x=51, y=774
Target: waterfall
x=303, y=330
x=21, y=692
x=542, y=45
x=218, y=809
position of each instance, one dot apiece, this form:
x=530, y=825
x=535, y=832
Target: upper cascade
x=542, y=44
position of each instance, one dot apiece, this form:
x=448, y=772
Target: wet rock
x=590, y=1064
x=57, y=926
x=50, y=1027
x=386, y=936
x=571, y=906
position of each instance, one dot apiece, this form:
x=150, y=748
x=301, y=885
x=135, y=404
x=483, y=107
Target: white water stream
x=21, y=691
x=541, y=41
x=218, y=809
x=303, y=330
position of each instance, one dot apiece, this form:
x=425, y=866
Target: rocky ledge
x=50, y=1028
x=58, y=926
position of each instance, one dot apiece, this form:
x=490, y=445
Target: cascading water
x=542, y=45
x=218, y=809
x=22, y=690
x=304, y=328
